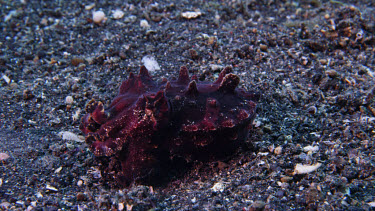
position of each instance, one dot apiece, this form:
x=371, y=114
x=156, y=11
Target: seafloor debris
x=191, y=15
x=150, y=127
x=305, y=169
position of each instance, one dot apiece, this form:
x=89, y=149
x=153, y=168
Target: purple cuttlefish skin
x=152, y=127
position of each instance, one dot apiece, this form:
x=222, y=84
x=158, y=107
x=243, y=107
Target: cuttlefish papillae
x=152, y=127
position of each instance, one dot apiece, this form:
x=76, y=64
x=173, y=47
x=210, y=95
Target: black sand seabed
x=312, y=61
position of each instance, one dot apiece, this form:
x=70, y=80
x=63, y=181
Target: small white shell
x=305, y=169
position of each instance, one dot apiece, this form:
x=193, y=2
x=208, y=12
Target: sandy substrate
x=312, y=62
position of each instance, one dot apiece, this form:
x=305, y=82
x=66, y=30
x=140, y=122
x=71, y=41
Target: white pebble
x=10, y=15
x=69, y=136
x=305, y=169
x=117, y=14
x=257, y=123
x=33, y=203
x=51, y=188
x=215, y=67
x=263, y=153
x=311, y=148
x=6, y=79
x=3, y=156
x=190, y=15
x=150, y=63
x=218, y=187
x=90, y=6
x=98, y=17
x=130, y=19
x=39, y=195
x=69, y=100
x=144, y=24
x=58, y=170
x=193, y=200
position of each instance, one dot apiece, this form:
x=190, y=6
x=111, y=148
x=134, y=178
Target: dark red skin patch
x=150, y=128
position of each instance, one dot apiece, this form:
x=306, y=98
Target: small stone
x=3, y=156
x=144, y=24
x=193, y=54
x=263, y=47
x=81, y=66
x=218, y=187
x=90, y=6
x=278, y=150
x=304, y=60
x=191, y=15
x=33, y=204
x=28, y=95
x=75, y=116
x=271, y=148
x=98, y=17
x=215, y=67
x=81, y=197
x=286, y=179
x=121, y=206
x=305, y=169
x=150, y=63
x=44, y=21
x=5, y=205
x=350, y=172
x=129, y=207
x=118, y=14
x=13, y=85
x=311, y=149
x=69, y=100
x=77, y=61
x=6, y=79
x=211, y=40
x=258, y=205
x=58, y=170
x=331, y=73
x=39, y=195
x=19, y=202
x=130, y=19
x=10, y=15
x=267, y=128
x=311, y=110
x=51, y=188
x=69, y=136
x=53, y=61
x=323, y=61
x=279, y=194
x=66, y=54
